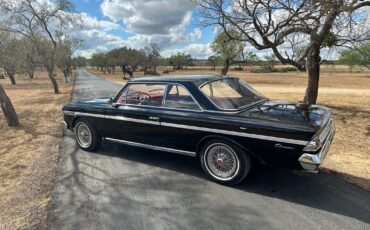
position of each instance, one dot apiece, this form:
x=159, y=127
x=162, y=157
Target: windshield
x=231, y=93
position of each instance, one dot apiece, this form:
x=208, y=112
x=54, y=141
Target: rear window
x=231, y=93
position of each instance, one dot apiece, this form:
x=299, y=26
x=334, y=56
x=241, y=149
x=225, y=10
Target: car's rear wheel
x=224, y=162
x=86, y=136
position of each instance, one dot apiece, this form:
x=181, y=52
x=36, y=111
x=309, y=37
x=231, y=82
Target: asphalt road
x=122, y=187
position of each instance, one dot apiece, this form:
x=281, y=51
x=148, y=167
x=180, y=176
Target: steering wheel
x=142, y=99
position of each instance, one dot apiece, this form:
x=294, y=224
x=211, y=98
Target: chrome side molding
x=191, y=127
x=153, y=147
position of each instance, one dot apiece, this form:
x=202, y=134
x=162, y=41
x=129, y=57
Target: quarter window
x=143, y=94
x=178, y=97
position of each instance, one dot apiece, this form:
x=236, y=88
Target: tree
x=271, y=60
x=41, y=22
x=304, y=26
x=180, y=60
x=152, y=57
x=214, y=60
x=350, y=57
x=8, y=109
x=10, y=55
x=252, y=57
x=97, y=60
x=31, y=59
x=67, y=46
x=228, y=49
x=358, y=54
x=79, y=62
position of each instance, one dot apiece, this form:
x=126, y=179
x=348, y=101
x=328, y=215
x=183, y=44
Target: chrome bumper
x=64, y=124
x=311, y=161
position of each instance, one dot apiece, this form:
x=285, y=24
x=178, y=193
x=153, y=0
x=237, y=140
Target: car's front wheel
x=224, y=162
x=86, y=136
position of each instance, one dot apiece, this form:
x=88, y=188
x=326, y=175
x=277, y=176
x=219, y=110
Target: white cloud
x=148, y=17
x=155, y=21
x=195, y=35
x=93, y=22
x=200, y=51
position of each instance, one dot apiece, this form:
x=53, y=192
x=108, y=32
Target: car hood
x=313, y=116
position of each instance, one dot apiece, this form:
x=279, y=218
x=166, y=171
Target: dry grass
x=348, y=94
x=28, y=154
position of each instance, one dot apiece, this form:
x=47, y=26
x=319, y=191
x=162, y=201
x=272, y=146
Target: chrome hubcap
x=83, y=135
x=221, y=161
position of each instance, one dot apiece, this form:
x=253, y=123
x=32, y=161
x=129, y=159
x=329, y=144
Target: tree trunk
x=226, y=67
x=8, y=109
x=313, y=70
x=11, y=77
x=30, y=74
x=53, y=81
x=65, y=73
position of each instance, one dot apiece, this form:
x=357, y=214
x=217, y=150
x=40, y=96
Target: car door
x=180, y=109
x=134, y=116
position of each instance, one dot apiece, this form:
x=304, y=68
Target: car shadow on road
x=321, y=191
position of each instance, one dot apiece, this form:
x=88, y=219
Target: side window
x=122, y=98
x=178, y=97
x=142, y=94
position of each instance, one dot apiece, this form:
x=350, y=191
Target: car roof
x=197, y=79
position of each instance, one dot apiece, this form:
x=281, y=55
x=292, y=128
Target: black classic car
x=221, y=120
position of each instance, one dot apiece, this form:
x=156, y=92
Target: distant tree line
x=130, y=60
x=357, y=55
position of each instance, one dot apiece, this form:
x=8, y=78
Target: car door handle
x=154, y=118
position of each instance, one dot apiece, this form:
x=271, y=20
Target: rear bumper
x=311, y=161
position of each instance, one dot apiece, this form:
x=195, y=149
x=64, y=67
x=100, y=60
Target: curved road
x=121, y=187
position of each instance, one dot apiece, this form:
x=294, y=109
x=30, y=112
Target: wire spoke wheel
x=221, y=161
x=83, y=135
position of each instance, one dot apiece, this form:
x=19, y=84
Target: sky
x=172, y=24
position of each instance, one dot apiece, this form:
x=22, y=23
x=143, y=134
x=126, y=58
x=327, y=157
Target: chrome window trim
x=217, y=79
x=153, y=147
x=205, y=129
x=161, y=108
x=164, y=95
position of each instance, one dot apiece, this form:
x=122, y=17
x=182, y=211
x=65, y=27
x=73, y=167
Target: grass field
x=348, y=94
x=28, y=154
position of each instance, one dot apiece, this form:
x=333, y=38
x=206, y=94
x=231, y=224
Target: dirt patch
x=348, y=94
x=28, y=154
